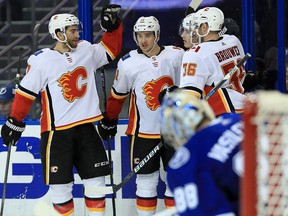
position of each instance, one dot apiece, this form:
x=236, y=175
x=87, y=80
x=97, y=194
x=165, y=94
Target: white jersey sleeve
x=99, y=55
x=177, y=63
x=122, y=82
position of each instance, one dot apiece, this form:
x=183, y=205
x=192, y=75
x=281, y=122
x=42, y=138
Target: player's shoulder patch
x=38, y=52
x=126, y=56
x=180, y=158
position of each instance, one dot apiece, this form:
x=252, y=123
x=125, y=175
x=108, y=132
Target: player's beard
x=72, y=43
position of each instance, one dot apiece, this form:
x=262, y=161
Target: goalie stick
x=228, y=75
x=115, y=188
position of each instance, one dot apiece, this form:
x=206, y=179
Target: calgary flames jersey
x=66, y=83
x=205, y=65
x=144, y=78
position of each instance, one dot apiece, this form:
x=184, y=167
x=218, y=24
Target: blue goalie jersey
x=204, y=174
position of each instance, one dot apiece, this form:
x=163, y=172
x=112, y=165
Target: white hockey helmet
x=147, y=24
x=213, y=16
x=188, y=25
x=181, y=115
x=60, y=21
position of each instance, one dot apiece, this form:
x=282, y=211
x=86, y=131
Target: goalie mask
x=61, y=21
x=147, y=24
x=181, y=115
x=213, y=16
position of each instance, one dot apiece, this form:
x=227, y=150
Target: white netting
x=272, y=154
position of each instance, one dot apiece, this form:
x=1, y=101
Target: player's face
x=72, y=33
x=186, y=39
x=145, y=41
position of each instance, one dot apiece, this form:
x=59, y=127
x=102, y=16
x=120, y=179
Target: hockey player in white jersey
x=142, y=74
x=204, y=173
x=206, y=64
x=64, y=75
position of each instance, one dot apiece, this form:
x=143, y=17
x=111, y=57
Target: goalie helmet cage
x=264, y=189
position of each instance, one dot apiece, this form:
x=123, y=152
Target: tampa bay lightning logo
x=180, y=158
x=3, y=90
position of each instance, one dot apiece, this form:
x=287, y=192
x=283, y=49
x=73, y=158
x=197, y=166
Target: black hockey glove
x=11, y=131
x=107, y=128
x=109, y=19
x=250, y=81
x=166, y=91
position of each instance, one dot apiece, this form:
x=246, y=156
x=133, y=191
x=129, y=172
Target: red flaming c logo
x=71, y=88
x=153, y=88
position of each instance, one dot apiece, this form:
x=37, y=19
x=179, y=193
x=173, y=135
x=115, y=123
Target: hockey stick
x=5, y=178
x=108, y=142
x=228, y=75
x=17, y=79
x=114, y=189
x=194, y=4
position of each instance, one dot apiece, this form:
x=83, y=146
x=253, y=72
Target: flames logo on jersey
x=152, y=89
x=71, y=84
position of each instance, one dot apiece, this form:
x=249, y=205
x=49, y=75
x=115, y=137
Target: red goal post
x=264, y=187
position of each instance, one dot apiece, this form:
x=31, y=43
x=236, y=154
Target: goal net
x=264, y=189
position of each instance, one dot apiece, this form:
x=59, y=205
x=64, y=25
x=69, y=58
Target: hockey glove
x=166, y=91
x=11, y=131
x=250, y=81
x=107, y=128
x=109, y=19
